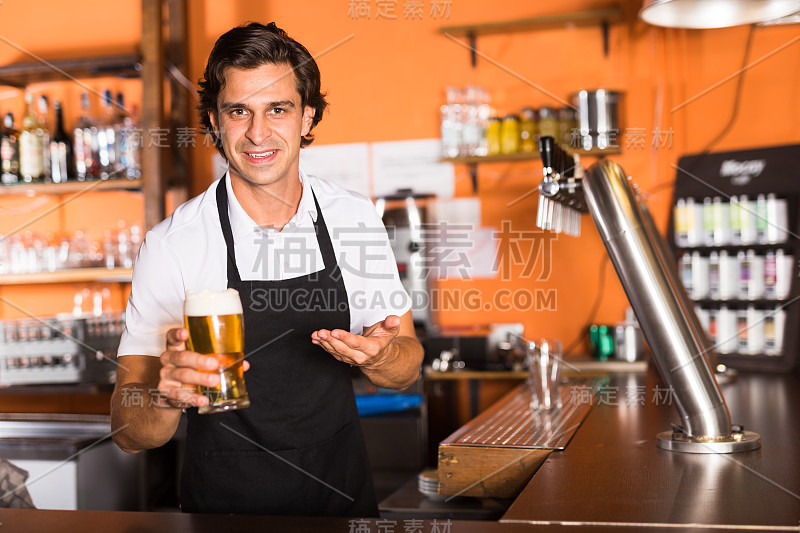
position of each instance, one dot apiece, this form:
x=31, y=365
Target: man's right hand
x=182, y=371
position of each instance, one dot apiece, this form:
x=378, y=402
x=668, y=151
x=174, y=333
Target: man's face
x=260, y=122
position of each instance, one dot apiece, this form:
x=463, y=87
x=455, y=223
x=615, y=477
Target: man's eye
x=278, y=110
x=238, y=112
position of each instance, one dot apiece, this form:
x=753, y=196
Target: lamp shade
x=706, y=14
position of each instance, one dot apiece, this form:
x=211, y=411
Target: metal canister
x=598, y=118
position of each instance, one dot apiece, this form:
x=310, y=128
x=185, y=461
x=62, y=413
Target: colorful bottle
x=62, y=157
x=31, y=145
x=9, y=151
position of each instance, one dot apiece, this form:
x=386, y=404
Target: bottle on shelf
x=527, y=130
x=9, y=151
x=62, y=157
x=31, y=144
x=129, y=140
x=44, y=121
x=87, y=161
x=106, y=138
x=509, y=135
x=451, y=125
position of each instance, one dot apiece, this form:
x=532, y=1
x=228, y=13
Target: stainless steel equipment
x=669, y=325
x=405, y=215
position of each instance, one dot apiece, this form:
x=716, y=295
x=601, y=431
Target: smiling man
x=302, y=252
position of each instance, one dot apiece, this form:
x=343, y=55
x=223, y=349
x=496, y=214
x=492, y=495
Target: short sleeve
x=156, y=301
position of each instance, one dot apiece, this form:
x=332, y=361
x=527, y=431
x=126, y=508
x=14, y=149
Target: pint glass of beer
x=214, y=321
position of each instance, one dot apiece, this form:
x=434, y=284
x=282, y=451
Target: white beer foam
x=207, y=303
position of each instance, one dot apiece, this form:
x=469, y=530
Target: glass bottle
x=129, y=140
x=484, y=112
x=62, y=158
x=493, y=146
x=527, y=130
x=44, y=111
x=9, y=151
x=87, y=163
x=509, y=135
x=31, y=146
x=451, y=123
x=568, y=134
x=548, y=122
x=106, y=137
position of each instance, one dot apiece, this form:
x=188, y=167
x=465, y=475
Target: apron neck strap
x=326, y=247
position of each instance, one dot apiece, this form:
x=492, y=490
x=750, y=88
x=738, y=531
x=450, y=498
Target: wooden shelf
x=22, y=74
x=71, y=187
x=590, y=17
x=525, y=156
x=73, y=275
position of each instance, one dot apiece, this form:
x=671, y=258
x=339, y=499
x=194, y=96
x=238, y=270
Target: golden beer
x=214, y=321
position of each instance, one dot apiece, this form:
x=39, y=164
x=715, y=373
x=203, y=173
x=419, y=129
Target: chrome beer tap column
x=680, y=349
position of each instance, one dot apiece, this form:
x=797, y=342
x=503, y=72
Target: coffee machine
x=407, y=217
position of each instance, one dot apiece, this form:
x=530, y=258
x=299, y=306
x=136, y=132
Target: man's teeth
x=261, y=155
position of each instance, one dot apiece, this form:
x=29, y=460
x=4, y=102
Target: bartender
x=304, y=255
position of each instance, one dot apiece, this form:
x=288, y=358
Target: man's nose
x=259, y=129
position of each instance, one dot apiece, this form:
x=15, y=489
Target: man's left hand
x=368, y=350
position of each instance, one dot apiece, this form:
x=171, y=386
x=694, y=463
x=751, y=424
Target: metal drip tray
x=512, y=423
x=496, y=453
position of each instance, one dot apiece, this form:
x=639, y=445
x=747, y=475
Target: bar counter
x=610, y=475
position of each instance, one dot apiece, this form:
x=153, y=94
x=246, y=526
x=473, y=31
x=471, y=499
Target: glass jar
x=548, y=122
x=568, y=134
x=509, y=135
x=493, y=136
x=527, y=130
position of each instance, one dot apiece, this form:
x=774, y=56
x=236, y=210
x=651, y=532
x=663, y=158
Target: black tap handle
x=547, y=150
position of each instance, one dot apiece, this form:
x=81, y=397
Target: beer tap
x=561, y=199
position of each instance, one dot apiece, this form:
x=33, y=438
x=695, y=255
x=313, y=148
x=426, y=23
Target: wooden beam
x=152, y=112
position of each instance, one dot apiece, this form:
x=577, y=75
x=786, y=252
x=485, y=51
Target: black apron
x=298, y=448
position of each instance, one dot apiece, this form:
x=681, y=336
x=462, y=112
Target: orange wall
x=387, y=79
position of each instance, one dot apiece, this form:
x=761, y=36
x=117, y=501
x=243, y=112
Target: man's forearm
x=138, y=422
x=400, y=368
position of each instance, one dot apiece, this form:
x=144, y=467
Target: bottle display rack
x=735, y=232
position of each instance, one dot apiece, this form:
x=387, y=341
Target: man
x=277, y=236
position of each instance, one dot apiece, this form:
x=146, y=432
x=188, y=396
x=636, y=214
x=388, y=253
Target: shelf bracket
x=473, y=175
x=473, y=48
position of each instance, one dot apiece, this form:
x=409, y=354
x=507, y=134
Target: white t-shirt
x=186, y=252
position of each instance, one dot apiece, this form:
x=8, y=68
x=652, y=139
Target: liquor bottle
x=45, y=123
x=9, y=151
x=129, y=140
x=106, y=138
x=31, y=146
x=87, y=162
x=62, y=157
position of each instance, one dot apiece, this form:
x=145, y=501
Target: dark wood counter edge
x=47, y=521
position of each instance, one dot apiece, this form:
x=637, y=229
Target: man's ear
x=212, y=117
x=308, y=120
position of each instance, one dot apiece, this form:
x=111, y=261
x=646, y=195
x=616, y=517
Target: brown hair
x=248, y=47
